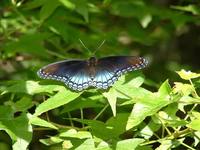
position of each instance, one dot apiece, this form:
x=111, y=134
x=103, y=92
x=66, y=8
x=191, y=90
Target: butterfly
x=99, y=73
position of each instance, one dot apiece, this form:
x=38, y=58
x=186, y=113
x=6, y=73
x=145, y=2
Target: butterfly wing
x=72, y=72
x=109, y=69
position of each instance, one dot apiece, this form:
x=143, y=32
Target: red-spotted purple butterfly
x=100, y=73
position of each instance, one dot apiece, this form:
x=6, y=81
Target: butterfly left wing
x=72, y=72
x=109, y=69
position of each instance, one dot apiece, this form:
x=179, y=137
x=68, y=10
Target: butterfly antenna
x=84, y=46
x=99, y=46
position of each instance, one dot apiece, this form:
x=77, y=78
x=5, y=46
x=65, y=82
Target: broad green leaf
x=31, y=87
x=76, y=134
x=184, y=89
x=67, y=144
x=18, y=129
x=187, y=75
x=135, y=79
x=165, y=144
x=23, y=104
x=48, y=8
x=148, y=131
x=135, y=93
x=103, y=146
x=88, y=102
x=64, y=96
x=40, y=122
x=99, y=129
x=87, y=144
x=189, y=100
x=118, y=123
x=165, y=89
x=148, y=106
x=111, y=96
x=129, y=144
x=195, y=124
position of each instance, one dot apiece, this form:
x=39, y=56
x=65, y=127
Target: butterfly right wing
x=72, y=72
x=109, y=69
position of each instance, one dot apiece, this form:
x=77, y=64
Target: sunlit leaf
x=187, y=75
x=62, y=97
x=129, y=144
x=40, y=122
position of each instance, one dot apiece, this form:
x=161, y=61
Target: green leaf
x=145, y=20
x=165, y=89
x=87, y=144
x=28, y=43
x=82, y=8
x=103, y=146
x=184, y=89
x=111, y=96
x=30, y=87
x=118, y=123
x=129, y=144
x=99, y=129
x=194, y=9
x=68, y=4
x=148, y=106
x=23, y=104
x=17, y=128
x=51, y=140
x=40, y=122
x=34, y=4
x=74, y=134
x=64, y=96
x=165, y=144
x=187, y=75
x=195, y=124
x=48, y=8
x=89, y=102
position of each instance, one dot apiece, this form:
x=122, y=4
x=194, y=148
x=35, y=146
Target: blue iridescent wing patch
x=100, y=73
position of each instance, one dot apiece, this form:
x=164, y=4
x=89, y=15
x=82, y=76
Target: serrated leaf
x=64, y=96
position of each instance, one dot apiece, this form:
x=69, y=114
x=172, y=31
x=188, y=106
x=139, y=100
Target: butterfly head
x=92, y=61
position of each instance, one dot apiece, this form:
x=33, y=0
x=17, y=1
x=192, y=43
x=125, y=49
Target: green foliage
x=137, y=112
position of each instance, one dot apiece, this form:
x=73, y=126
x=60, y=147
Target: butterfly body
x=100, y=73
